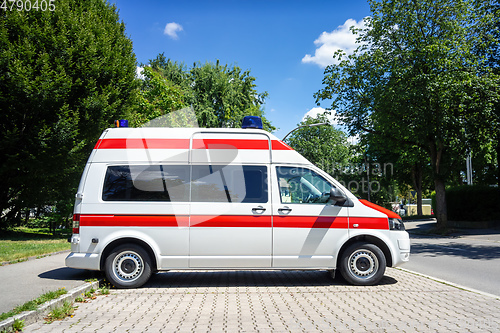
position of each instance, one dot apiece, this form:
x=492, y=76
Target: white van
x=156, y=199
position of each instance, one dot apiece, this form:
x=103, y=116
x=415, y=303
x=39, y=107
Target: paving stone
x=283, y=301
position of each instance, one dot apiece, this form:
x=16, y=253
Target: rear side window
x=229, y=183
x=146, y=183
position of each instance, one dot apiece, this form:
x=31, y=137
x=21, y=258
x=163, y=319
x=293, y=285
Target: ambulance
x=159, y=199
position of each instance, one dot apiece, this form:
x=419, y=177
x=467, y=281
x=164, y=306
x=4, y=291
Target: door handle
x=258, y=210
x=285, y=209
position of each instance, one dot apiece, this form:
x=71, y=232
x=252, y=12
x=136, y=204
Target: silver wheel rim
x=128, y=266
x=363, y=264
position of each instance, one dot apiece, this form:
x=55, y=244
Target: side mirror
x=337, y=196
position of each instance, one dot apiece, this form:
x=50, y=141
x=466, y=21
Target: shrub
x=473, y=203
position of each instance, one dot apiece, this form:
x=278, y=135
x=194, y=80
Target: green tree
x=175, y=72
x=221, y=95
x=157, y=97
x=417, y=79
x=324, y=145
x=489, y=154
x=410, y=165
x=64, y=76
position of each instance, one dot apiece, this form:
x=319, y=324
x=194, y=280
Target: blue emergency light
x=251, y=122
x=121, y=123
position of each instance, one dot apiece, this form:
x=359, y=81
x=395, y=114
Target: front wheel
x=362, y=264
x=128, y=266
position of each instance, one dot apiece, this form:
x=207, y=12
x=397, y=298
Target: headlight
x=396, y=224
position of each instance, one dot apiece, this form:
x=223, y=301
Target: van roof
x=192, y=145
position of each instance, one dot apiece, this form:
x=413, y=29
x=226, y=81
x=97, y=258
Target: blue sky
x=285, y=44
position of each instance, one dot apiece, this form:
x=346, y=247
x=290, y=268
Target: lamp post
x=469, y=168
x=308, y=125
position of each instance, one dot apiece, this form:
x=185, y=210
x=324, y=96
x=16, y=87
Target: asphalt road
x=25, y=281
x=470, y=258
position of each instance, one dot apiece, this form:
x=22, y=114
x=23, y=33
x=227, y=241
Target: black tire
x=128, y=266
x=362, y=264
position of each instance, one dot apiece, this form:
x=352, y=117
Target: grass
x=92, y=294
x=68, y=308
x=61, y=312
x=104, y=290
x=33, y=305
x=58, y=313
x=21, y=243
x=18, y=325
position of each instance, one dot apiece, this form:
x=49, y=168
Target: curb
x=452, y=284
x=30, y=317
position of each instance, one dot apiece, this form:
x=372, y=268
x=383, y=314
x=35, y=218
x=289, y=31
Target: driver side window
x=301, y=185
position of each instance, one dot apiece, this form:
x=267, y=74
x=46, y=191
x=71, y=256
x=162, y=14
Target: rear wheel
x=128, y=266
x=362, y=264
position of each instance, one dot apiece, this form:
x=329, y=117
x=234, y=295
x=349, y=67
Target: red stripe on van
x=325, y=222
x=230, y=144
x=142, y=144
x=231, y=221
x=134, y=220
x=152, y=143
x=369, y=223
x=280, y=145
x=386, y=211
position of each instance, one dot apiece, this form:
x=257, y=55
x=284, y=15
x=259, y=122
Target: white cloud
x=353, y=140
x=328, y=42
x=319, y=110
x=138, y=72
x=171, y=30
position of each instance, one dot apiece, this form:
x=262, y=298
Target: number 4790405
x=28, y=5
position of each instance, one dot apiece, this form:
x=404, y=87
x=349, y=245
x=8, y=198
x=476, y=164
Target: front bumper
x=402, y=254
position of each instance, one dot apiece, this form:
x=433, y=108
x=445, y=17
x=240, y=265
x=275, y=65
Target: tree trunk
x=436, y=153
x=441, y=210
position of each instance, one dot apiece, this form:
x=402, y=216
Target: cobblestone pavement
x=283, y=301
